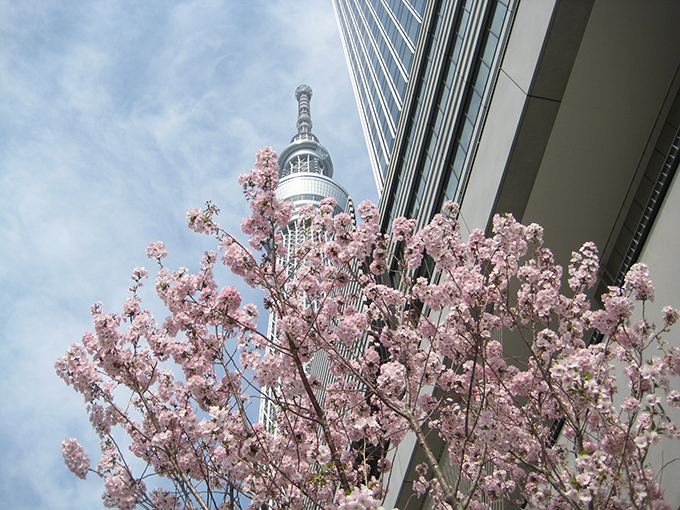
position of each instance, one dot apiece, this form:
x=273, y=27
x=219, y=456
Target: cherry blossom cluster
x=489, y=352
x=75, y=457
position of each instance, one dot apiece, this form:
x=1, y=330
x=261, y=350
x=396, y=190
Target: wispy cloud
x=117, y=117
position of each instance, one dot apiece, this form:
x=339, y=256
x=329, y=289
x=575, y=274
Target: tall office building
x=564, y=113
x=437, y=100
x=305, y=177
x=379, y=39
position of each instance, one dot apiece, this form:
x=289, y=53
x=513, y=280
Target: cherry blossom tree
x=172, y=402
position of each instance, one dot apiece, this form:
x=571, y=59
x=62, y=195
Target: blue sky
x=118, y=117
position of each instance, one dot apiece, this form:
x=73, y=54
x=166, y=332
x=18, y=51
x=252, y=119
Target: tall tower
x=306, y=171
x=305, y=177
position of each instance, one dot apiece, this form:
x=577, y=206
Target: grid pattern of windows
x=379, y=37
x=472, y=107
x=434, y=130
x=444, y=129
x=416, y=107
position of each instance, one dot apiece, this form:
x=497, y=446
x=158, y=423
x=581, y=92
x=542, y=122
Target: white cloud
x=117, y=118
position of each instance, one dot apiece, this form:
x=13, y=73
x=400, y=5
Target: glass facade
x=379, y=37
x=452, y=76
x=446, y=54
x=444, y=114
x=473, y=103
x=431, y=46
x=440, y=110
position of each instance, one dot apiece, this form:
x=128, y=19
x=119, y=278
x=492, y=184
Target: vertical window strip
x=374, y=98
x=458, y=154
x=351, y=36
x=404, y=159
x=385, y=59
x=422, y=177
x=374, y=90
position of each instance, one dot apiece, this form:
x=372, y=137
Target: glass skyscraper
x=422, y=74
x=379, y=38
x=562, y=113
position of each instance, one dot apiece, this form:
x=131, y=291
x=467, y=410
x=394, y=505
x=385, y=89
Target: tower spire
x=304, y=154
x=304, y=123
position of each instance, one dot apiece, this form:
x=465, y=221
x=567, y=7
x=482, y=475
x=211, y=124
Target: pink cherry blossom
x=488, y=354
x=75, y=457
x=156, y=251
